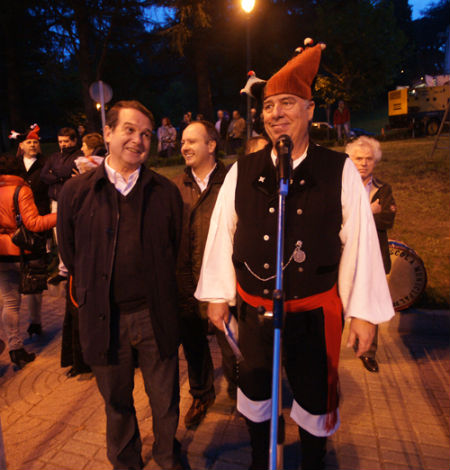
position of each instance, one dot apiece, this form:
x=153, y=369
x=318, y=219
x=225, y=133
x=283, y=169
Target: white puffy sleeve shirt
x=362, y=281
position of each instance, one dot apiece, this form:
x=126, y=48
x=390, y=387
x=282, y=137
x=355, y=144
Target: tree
x=363, y=51
x=86, y=30
x=431, y=33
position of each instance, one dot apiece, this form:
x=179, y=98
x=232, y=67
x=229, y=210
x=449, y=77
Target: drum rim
x=399, y=244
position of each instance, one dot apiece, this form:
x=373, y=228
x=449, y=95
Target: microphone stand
x=284, y=166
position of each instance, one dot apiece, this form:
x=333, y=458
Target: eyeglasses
x=285, y=104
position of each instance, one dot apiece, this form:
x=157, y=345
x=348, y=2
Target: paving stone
x=355, y=462
x=402, y=458
x=435, y=463
x=80, y=448
x=90, y=437
x=397, y=418
x=435, y=451
x=69, y=460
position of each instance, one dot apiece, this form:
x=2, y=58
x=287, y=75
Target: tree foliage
x=363, y=49
x=52, y=50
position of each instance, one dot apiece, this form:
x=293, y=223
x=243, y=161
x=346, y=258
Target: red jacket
x=28, y=210
x=341, y=117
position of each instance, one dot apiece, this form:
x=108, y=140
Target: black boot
x=313, y=450
x=34, y=328
x=20, y=357
x=260, y=442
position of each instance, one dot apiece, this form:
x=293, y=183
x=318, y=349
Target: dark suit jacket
x=88, y=222
x=385, y=219
x=39, y=188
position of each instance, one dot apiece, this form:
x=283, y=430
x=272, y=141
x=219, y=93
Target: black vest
x=313, y=222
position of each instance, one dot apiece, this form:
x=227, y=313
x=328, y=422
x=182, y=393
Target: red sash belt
x=331, y=305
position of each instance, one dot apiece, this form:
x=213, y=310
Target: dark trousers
x=196, y=350
x=194, y=330
x=116, y=383
x=304, y=357
x=71, y=354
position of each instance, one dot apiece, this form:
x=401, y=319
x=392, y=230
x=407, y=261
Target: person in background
x=57, y=170
x=236, y=132
x=365, y=153
x=92, y=144
x=71, y=353
x=222, y=127
x=167, y=138
x=341, y=120
x=31, y=162
x=10, y=169
x=187, y=118
x=199, y=186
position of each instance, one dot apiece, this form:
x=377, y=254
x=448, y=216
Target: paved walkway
x=397, y=419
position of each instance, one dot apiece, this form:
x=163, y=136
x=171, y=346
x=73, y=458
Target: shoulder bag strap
x=16, y=206
x=18, y=219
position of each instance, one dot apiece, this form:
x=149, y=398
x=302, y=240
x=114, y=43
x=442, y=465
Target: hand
x=375, y=206
x=75, y=172
x=362, y=330
x=218, y=313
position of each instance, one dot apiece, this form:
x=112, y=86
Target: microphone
x=283, y=147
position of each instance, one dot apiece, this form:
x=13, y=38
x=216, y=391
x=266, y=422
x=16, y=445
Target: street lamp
x=247, y=6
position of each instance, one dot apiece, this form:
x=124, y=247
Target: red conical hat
x=297, y=75
x=34, y=132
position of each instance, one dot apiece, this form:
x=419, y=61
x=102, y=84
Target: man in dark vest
x=199, y=186
x=119, y=228
x=330, y=235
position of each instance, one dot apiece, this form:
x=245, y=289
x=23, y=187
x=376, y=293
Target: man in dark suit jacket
x=199, y=185
x=119, y=228
x=365, y=153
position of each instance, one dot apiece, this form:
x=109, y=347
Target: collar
x=28, y=162
x=118, y=181
x=301, y=178
x=203, y=183
x=295, y=163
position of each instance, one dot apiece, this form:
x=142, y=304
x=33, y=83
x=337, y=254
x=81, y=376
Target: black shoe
x=74, y=371
x=55, y=280
x=20, y=357
x=197, y=412
x=34, y=328
x=369, y=363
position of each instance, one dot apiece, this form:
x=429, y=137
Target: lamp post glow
x=247, y=6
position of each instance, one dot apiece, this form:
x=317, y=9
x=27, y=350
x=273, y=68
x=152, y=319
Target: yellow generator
x=421, y=108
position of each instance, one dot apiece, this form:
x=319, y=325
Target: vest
x=313, y=219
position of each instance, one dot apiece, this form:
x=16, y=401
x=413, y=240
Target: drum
x=408, y=277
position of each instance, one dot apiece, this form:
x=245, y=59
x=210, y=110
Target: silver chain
x=265, y=279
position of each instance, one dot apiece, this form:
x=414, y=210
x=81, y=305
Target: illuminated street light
x=247, y=6
x=98, y=106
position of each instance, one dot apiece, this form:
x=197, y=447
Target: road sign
x=100, y=91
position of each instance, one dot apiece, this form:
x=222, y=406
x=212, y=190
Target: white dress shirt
x=362, y=281
x=203, y=183
x=120, y=183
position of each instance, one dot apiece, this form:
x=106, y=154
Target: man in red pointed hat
x=332, y=267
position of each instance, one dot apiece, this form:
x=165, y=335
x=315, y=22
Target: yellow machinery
x=419, y=108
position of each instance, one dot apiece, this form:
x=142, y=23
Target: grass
x=421, y=189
